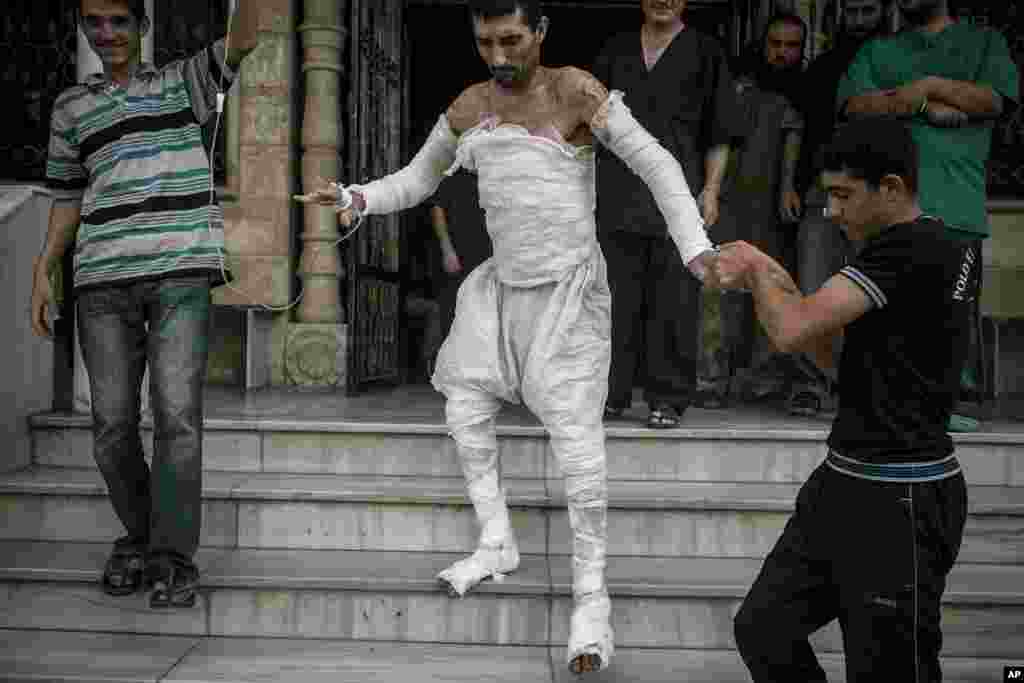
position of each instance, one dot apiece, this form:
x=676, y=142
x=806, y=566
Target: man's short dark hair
x=870, y=149
x=492, y=9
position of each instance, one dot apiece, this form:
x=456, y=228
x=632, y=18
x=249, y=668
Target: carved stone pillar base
x=315, y=355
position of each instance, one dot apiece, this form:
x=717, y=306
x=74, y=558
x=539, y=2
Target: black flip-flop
x=663, y=416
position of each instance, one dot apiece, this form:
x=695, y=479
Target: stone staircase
x=322, y=537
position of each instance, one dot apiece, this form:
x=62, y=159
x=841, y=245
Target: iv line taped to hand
x=344, y=192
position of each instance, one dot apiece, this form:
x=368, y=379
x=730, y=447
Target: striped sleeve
x=66, y=176
x=873, y=291
x=205, y=74
x=884, y=267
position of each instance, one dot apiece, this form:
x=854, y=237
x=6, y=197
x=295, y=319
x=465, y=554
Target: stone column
x=314, y=348
x=257, y=227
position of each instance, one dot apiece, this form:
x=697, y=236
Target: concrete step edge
x=998, y=433
x=71, y=655
x=415, y=572
x=427, y=490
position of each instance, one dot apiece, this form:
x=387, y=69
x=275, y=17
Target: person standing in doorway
x=461, y=230
x=760, y=203
x=677, y=82
x=821, y=248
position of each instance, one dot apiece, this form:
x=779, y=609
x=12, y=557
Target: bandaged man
x=533, y=323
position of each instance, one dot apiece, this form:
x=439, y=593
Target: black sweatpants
x=655, y=313
x=873, y=555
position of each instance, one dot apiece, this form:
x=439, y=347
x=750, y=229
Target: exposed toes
x=585, y=664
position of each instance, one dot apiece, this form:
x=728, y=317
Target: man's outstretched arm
x=794, y=322
x=614, y=126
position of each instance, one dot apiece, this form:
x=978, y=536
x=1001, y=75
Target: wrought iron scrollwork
x=38, y=55
x=377, y=59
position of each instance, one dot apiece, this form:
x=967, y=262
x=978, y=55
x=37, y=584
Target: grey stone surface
x=366, y=615
x=91, y=518
x=98, y=657
x=303, y=661
x=229, y=451
x=378, y=571
x=56, y=606
x=373, y=526
x=85, y=657
x=26, y=361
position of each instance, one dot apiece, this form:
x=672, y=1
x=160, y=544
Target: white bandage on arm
x=615, y=127
x=418, y=180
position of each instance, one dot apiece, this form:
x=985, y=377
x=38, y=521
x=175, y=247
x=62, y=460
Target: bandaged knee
x=617, y=129
x=471, y=422
x=418, y=180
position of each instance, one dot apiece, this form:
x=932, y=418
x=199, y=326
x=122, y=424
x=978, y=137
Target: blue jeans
x=164, y=323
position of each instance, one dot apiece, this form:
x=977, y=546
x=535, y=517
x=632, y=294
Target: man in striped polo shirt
x=131, y=181
x=878, y=525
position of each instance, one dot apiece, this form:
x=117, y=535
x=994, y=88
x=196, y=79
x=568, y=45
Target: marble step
x=748, y=451
x=646, y=518
x=65, y=656
x=675, y=603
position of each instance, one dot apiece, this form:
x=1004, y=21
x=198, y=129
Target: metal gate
x=375, y=147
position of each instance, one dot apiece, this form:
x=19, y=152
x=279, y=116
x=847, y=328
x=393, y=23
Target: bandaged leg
x=471, y=420
x=581, y=456
x=617, y=129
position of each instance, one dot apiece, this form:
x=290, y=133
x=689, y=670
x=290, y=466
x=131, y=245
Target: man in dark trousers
x=677, y=83
x=878, y=524
x=821, y=249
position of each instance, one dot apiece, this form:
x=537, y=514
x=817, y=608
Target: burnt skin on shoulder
x=564, y=99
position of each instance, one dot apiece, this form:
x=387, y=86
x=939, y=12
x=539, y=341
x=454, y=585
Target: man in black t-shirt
x=878, y=525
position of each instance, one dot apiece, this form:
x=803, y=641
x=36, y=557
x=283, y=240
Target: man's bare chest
x=544, y=114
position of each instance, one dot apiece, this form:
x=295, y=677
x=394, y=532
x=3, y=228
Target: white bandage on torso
x=419, y=179
x=616, y=129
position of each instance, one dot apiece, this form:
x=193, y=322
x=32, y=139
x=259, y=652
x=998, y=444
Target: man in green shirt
x=951, y=80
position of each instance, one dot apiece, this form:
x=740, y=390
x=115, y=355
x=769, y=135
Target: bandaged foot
x=497, y=553
x=591, y=639
x=485, y=563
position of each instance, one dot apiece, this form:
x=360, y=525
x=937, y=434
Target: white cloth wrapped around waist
x=539, y=196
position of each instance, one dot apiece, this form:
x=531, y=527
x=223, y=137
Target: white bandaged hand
x=417, y=181
x=616, y=129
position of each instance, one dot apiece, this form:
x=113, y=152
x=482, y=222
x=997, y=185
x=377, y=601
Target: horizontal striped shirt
x=133, y=157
